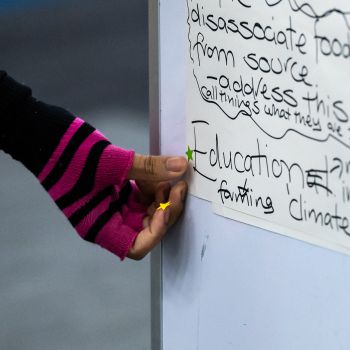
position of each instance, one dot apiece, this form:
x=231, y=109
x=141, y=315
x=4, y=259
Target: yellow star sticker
x=163, y=206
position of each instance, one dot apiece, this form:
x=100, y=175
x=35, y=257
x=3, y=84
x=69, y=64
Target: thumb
x=157, y=168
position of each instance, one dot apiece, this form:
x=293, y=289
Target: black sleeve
x=30, y=130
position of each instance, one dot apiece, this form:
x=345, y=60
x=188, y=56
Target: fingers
x=161, y=196
x=148, y=238
x=177, y=198
x=157, y=168
x=162, y=192
x=161, y=221
x=149, y=190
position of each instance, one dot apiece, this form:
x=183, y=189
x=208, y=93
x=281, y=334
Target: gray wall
x=57, y=291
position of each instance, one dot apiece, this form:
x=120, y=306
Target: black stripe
x=79, y=215
x=79, y=137
x=86, y=181
x=114, y=207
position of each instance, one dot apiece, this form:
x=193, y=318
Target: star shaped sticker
x=189, y=153
x=163, y=206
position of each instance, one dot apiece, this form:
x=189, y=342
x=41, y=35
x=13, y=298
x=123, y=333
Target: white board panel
x=228, y=285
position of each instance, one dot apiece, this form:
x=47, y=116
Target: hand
x=152, y=175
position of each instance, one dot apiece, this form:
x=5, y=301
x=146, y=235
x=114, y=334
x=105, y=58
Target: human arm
x=87, y=176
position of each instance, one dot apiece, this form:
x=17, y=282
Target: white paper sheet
x=268, y=114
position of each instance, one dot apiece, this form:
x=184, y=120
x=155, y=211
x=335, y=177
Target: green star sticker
x=189, y=153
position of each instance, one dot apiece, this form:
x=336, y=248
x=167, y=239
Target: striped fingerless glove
x=80, y=169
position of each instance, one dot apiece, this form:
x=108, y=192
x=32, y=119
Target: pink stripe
x=116, y=236
x=103, y=173
x=77, y=205
x=77, y=122
x=108, y=173
x=119, y=233
x=133, y=219
x=84, y=200
x=134, y=212
x=114, y=166
x=76, y=166
x=83, y=227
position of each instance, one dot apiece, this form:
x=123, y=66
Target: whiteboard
x=223, y=284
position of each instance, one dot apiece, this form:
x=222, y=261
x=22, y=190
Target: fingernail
x=175, y=164
x=167, y=216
